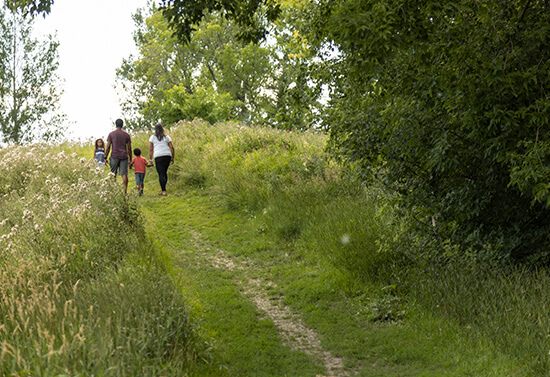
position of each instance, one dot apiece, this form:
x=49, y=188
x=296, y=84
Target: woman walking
x=162, y=150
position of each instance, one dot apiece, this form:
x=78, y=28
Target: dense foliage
x=448, y=103
x=33, y=7
x=215, y=76
x=249, y=15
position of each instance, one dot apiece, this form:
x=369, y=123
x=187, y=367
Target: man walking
x=121, y=142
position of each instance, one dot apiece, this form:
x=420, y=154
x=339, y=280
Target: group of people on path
x=119, y=144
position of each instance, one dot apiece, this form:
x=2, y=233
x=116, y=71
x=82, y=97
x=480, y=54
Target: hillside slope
x=267, y=302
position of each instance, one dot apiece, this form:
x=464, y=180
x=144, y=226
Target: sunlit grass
x=85, y=291
x=304, y=199
x=82, y=289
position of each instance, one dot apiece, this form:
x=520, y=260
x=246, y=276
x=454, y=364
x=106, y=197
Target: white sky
x=94, y=37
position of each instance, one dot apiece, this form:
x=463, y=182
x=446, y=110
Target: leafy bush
x=204, y=103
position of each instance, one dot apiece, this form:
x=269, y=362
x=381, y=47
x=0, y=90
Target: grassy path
x=227, y=292
x=269, y=309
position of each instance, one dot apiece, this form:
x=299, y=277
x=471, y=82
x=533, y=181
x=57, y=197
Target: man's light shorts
x=119, y=164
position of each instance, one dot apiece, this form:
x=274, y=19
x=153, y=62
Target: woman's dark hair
x=159, y=132
x=97, y=141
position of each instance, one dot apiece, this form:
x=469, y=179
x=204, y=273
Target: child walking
x=99, y=152
x=140, y=164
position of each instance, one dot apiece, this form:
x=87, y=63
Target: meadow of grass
x=293, y=190
x=83, y=290
x=86, y=290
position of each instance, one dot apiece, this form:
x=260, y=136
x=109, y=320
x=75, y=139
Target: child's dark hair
x=102, y=142
x=137, y=152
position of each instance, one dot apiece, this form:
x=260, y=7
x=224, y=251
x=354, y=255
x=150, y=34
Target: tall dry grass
x=82, y=289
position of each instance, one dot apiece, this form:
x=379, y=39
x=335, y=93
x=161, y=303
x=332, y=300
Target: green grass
x=327, y=300
x=244, y=343
x=141, y=293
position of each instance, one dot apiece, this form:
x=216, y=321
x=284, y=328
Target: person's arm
x=151, y=149
x=129, y=149
x=172, y=151
x=107, y=150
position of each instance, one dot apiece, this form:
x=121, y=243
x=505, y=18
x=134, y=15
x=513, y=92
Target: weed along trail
x=277, y=341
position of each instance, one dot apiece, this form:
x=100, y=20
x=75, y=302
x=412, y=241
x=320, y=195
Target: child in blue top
x=99, y=152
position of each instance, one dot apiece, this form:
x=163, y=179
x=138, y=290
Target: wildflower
x=4, y=222
x=26, y=214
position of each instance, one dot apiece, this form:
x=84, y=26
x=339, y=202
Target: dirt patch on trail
x=294, y=332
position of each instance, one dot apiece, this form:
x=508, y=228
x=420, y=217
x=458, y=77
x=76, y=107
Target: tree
x=297, y=91
x=295, y=103
x=448, y=104
x=29, y=93
x=214, y=76
x=166, y=78
x=30, y=7
x=250, y=16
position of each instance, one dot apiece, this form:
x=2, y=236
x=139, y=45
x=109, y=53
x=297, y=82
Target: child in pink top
x=140, y=164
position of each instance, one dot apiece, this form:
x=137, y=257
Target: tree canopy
x=448, y=103
x=32, y=7
x=215, y=76
x=249, y=15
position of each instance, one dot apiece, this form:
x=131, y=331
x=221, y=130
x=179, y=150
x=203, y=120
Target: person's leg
x=139, y=182
x=162, y=164
x=125, y=183
x=123, y=170
x=114, y=163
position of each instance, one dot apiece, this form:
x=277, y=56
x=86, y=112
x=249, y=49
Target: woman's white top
x=161, y=148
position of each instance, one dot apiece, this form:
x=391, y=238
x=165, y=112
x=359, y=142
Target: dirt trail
x=293, y=331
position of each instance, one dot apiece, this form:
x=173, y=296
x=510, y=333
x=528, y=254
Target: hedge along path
x=295, y=334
